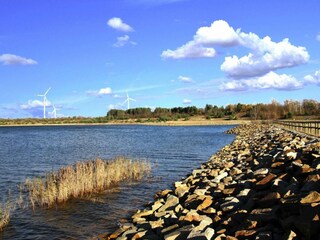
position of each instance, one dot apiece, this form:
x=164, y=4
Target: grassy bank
x=82, y=179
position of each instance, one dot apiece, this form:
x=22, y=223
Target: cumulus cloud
x=218, y=34
x=313, y=79
x=270, y=80
x=118, y=24
x=35, y=107
x=34, y=104
x=122, y=41
x=185, y=79
x=189, y=50
x=11, y=59
x=99, y=93
x=266, y=56
x=186, y=101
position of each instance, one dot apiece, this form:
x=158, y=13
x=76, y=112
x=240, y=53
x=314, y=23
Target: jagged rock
x=157, y=205
x=209, y=210
x=161, y=214
x=291, y=154
x=264, y=236
x=180, y=233
x=163, y=193
x=248, y=224
x=156, y=224
x=313, y=197
x=261, y=171
x=230, y=204
x=235, y=171
x=218, y=178
x=200, y=192
x=291, y=235
x=182, y=190
x=205, y=221
x=206, y=203
x=139, y=235
x=199, y=235
x=262, y=214
x=192, y=216
x=265, y=185
x=171, y=201
x=266, y=181
x=169, y=229
x=178, y=208
x=244, y=193
x=221, y=237
x=142, y=214
x=245, y=233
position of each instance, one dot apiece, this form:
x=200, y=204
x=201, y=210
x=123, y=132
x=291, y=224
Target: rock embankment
x=265, y=185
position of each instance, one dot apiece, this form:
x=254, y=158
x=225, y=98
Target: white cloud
x=318, y=37
x=34, y=104
x=185, y=79
x=189, y=50
x=117, y=96
x=313, y=79
x=118, y=24
x=101, y=92
x=11, y=59
x=186, y=101
x=122, y=41
x=266, y=56
x=271, y=80
x=219, y=34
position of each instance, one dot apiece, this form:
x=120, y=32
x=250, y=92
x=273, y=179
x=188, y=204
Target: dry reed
x=4, y=215
x=82, y=179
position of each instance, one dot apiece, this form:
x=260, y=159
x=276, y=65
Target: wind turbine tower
x=44, y=101
x=54, y=112
x=128, y=100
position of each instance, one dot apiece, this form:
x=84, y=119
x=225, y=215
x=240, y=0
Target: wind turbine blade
x=131, y=99
x=40, y=95
x=47, y=91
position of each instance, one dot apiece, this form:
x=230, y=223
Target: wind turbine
x=44, y=101
x=128, y=100
x=54, y=112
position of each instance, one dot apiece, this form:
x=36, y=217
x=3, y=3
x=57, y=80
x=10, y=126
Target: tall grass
x=4, y=215
x=82, y=179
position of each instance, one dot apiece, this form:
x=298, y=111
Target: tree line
x=271, y=111
x=261, y=111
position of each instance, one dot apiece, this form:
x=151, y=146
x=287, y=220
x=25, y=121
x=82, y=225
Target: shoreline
x=167, y=123
x=264, y=185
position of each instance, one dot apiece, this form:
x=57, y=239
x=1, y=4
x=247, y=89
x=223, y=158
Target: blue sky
x=164, y=53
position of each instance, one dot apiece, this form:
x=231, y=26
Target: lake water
x=31, y=151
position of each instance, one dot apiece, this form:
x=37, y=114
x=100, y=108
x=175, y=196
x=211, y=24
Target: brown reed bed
x=82, y=179
x=4, y=215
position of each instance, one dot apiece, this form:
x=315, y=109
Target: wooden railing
x=306, y=126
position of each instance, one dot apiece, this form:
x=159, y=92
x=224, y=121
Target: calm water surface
x=31, y=151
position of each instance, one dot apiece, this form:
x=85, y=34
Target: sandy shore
x=197, y=121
